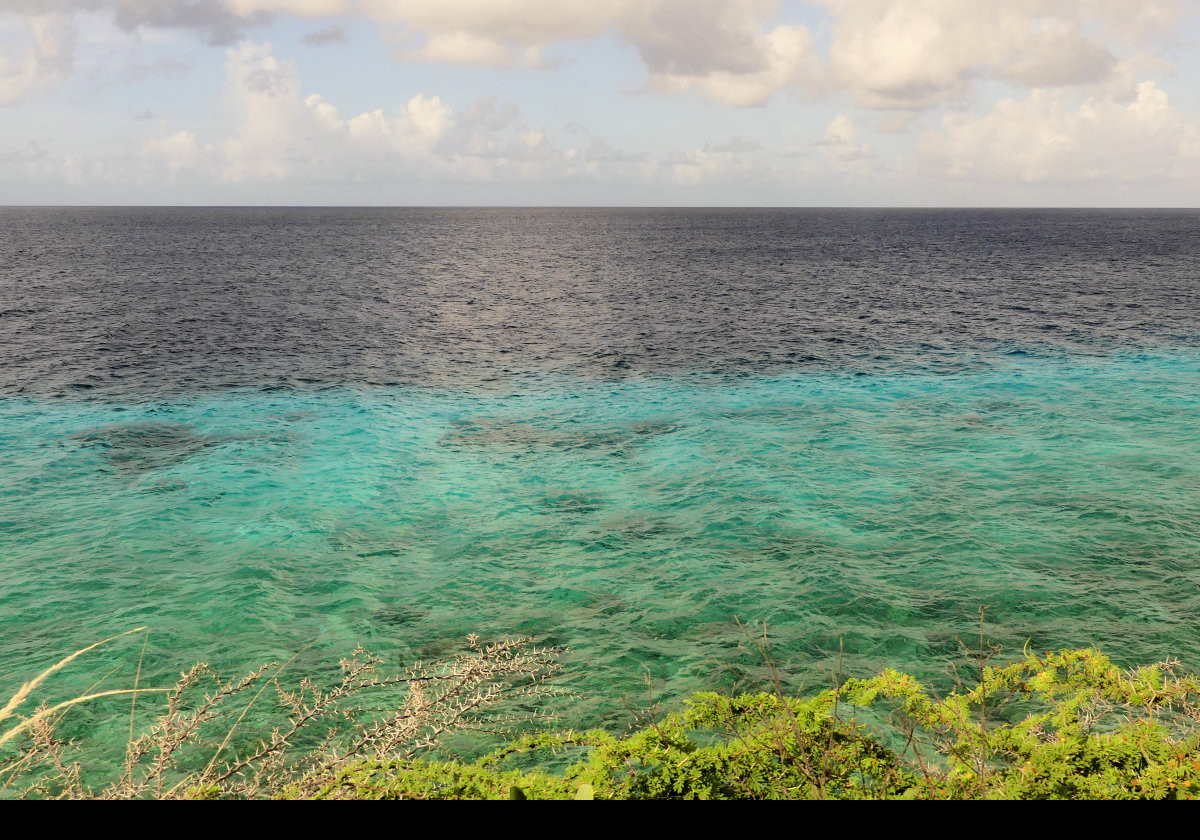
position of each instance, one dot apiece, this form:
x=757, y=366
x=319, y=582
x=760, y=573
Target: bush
x=1097, y=733
x=1065, y=725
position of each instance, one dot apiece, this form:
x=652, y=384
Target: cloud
x=782, y=58
x=720, y=48
x=1079, y=108
x=915, y=54
x=736, y=158
x=724, y=49
x=280, y=134
x=839, y=148
x=212, y=19
x=276, y=125
x=889, y=54
x=1052, y=138
x=218, y=22
x=178, y=152
x=840, y=132
x=45, y=62
x=470, y=49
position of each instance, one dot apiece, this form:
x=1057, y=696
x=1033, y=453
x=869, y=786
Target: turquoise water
x=631, y=521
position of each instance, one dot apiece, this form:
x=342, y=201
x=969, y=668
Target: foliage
x=189, y=750
x=1087, y=731
x=1065, y=725
x=1093, y=732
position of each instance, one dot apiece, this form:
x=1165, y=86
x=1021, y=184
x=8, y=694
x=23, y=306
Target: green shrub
x=1090, y=731
x=1065, y=725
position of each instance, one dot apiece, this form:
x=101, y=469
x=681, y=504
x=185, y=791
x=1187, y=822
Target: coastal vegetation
x=1069, y=724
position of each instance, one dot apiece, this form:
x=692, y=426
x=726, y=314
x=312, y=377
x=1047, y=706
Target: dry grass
x=198, y=746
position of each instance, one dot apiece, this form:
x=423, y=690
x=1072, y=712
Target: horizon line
x=81, y=206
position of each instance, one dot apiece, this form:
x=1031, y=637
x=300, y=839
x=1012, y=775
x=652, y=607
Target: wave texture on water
x=617, y=431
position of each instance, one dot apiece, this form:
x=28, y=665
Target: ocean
x=635, y=434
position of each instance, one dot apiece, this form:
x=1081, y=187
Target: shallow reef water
x=636, y=523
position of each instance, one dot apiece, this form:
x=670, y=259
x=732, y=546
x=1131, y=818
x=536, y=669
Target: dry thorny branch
x=197, y=746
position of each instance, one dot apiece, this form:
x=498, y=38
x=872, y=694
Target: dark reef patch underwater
x=611, y=430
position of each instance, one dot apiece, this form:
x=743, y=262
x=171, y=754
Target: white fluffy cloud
x=784, y=58
x=178, y=152
x=724, y=49
x=281, y=134
x=891, y=54
x=1079, y=106
x=1050, y=137
x=911, y=54
x=841, y=151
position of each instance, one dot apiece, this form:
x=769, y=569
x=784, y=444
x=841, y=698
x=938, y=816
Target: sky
x=601, y=102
